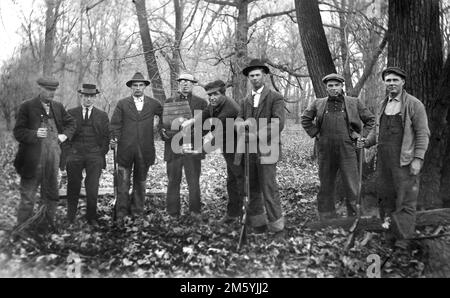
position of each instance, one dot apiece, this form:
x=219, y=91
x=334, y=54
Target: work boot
x=260, y=230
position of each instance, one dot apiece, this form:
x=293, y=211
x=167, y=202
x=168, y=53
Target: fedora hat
x=88, y=89
x=138, y=77
x=255, y=64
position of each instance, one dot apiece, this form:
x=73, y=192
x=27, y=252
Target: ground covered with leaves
x=160, y=247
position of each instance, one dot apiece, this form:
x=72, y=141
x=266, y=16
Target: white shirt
x=257, y=96
x=393, y=106
x=139, y=103
x=89, y=111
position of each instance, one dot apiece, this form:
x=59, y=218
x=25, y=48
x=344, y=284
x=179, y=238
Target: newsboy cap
x=187, y=77
x=333, y=77
x=214, y=86
x=394, y=70
x=48, y=83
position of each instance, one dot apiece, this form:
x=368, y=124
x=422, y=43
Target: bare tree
x=50, y=31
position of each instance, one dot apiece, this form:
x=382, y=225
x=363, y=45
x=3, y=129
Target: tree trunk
x=415, y=45
x=445, y=178
x=314, y=43
x=240, y=59
x=50, y=33
x=149, y=52
x=176, y=55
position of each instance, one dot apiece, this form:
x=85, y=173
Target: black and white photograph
x=225, y=145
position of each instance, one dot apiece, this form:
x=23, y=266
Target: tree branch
x=229, y=3
x=270, y=15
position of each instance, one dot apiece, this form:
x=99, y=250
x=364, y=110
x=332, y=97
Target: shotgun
x=243, y=234
x=116, y=180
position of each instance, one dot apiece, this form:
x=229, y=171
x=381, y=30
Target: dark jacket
x=133, y=129
x=100, y=123
x=357, y=115
x=416, y=133
x=197, y=104
x=28, y=121
x=271, y=107
x=228, y=109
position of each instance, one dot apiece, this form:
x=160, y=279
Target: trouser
x=192, y=170
x=235, y=186
x=336, y=154
x=93, y=164
x=46, y=176
x=264, y=204
x=397, y=193
x=134, y=204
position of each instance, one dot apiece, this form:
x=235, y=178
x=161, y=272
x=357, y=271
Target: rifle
x=243, y=234
x=116, y=180
x=351, y=237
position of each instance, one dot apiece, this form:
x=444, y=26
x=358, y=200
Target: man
x=262, y=113
x=222, y=108
x=86, y=151
x=402, y=135
x=176, y=161
x=42, y=124
x=337, y=122
x=132, y=133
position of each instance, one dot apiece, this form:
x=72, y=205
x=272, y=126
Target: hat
x=187, y=77
x=255, y=64
x=138, y=77
x=88, y=89
x=333, y=77
x=395, y=70
x=48, y=83
x=215, y=86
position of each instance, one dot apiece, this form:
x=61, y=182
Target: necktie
x=86, y=114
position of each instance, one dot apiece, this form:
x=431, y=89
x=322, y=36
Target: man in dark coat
x=263, y=113
x=42, y=124
x=337, y=123
x=223, y=109
x=402, y=135
x=176, y=161
x=132, y=131
x=86, y=151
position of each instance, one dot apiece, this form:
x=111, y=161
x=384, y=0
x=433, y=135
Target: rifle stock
x=116, y=190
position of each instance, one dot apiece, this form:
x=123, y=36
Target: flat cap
x=48, y=83
x=187, y=77
x=213, y=86
x=333, y=77
x=394, y=70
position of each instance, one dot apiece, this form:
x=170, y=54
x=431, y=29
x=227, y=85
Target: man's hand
x=113, y=143
x=361, y=143
x=62, y=138
x=415, y=166
x=42, y=133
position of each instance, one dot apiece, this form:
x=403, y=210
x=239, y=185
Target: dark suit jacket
x=196, y=104
x=133, y=129
x=100, y=123
x=357, y=114
x=28, y=121
x=271, y=107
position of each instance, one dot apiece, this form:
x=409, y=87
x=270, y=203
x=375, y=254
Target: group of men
x=342, y=125
x=86, y=135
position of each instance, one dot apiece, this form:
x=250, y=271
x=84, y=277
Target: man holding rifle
x=262, y=117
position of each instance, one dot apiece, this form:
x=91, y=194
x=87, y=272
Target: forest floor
x=160, y=247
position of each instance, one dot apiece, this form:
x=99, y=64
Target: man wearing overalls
x=402, y=135
x=42, y=125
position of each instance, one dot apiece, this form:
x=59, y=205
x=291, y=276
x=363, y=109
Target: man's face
x=46, y=94
x=88, y=100
x=138, y=89
x=334, y=88
x=186, y=86
x=394, y=84
x=257, y=78
x=216, y=98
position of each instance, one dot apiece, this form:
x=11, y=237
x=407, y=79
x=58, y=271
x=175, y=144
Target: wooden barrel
x=175, y=111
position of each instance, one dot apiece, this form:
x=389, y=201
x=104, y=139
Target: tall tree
x=51, y=18
x=149, y=51
x=415, y=44
x=314, y=43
